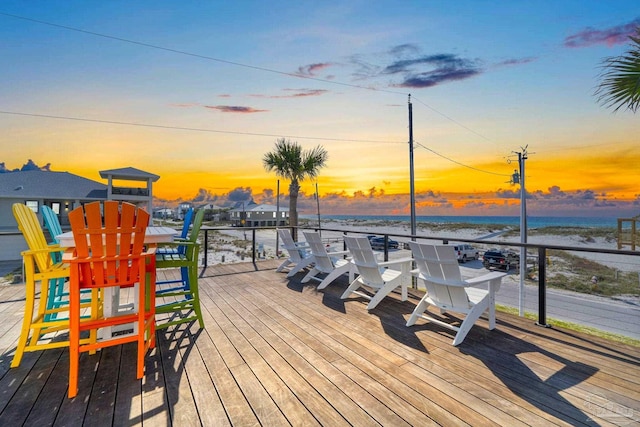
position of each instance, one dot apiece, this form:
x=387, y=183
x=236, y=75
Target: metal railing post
x=542, y=287
x=253, y=245
x=386, y=247
x=206, y=247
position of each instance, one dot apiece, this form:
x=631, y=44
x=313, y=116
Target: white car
x=466, y=252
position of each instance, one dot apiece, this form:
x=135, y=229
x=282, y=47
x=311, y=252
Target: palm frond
x=620, y=80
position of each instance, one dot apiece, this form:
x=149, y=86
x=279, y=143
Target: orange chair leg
x=74, y=337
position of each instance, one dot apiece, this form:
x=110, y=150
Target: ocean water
x=532, y=221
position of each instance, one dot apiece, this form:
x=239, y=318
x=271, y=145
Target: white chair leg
x=311, y=274
x=417, y=312
x=469, y=321
x=299, y=267
x=334, y=275
x=283, y=265
x=382, y=292
x=352, y=287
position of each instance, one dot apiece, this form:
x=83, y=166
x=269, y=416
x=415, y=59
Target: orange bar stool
x=110, y=253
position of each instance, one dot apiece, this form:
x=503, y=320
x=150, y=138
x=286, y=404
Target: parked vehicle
x=501, y=259
x=466, y=252
x=377, y=243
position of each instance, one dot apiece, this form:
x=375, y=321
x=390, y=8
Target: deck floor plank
x=177, y=386
x=278, y=355
x=375, y=356
x=109, y=364
x=318, y=330
x=249, y=345
x=279, y=352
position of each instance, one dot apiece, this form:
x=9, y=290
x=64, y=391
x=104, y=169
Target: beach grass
x=574, y=273
x=573, y=326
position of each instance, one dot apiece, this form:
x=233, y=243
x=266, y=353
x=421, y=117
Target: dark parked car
x=377, y=243
x=500, y=259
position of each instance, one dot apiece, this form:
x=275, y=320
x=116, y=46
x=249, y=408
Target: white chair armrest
x=485, y=278
x=395, y=261
x=337, y=253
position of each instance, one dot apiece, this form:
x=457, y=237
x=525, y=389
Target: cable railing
x=581, y=273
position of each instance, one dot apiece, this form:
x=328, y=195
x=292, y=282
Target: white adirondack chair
x=438, y=268
x=299, y=254
x=374, y=274
x=329, y=263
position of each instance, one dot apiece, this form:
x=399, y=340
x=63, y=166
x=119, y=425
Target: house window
x=33, y=205
x=274, y=214
x=282, y=214
x=55, y=206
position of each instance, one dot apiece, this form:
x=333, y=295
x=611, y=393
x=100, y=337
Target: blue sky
x=197, y=92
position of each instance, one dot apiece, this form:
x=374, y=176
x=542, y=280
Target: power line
x=258, y=68
x=151, y=125
x=453, y=120
x=196, y=55
x=458, y=163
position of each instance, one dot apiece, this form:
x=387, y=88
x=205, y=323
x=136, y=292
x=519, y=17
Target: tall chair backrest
x=188, y=217
x=29, y=225
x=290, y=245
x=365, y=260
x=109, y=247
x=51, y=222
x=441, y=264
x=322, y=260
x=195, y=228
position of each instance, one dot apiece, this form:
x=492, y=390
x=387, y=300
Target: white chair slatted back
x=440, y=263
x=289, y=245
x=323, y=262
x=365, y=260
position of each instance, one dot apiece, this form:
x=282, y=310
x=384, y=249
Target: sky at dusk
x=197, y=92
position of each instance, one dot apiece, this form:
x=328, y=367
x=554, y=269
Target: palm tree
x=620, y=85
x=289, y=161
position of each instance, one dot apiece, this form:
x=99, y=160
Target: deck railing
x=538, y=257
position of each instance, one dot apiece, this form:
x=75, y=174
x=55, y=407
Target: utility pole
x=318, y=204
x=412, y=189
x=522, y=156
x=277, y=218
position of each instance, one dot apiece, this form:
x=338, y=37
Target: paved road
x=611, y=315
x=607, y=314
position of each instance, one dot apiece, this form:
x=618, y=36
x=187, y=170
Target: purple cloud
x=415, y=70
x=297, y=93
x=234, y=109
x=609, y=36
x=516, y=61
x=443, y=68
x=312, y=69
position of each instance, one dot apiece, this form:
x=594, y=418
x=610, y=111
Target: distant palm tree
x=620, y=85
x=289, y=161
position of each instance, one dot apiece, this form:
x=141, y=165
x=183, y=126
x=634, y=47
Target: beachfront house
x=259, y=215
x=62, y=192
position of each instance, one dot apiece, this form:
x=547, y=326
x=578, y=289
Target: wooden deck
x=276, y=352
